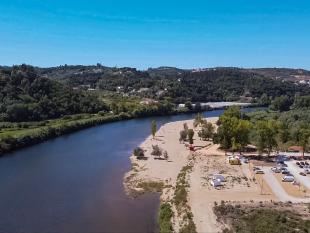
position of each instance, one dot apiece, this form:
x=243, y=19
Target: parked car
x=302, y=163
x=244, y=160
x=297, y=163
x=259, y=172
x=307, y=171
x=306, y=163
x=256, y=168
x=301, y=166
x=276, y=170
x=285, y=172
x=302, y=174
x=288, y=179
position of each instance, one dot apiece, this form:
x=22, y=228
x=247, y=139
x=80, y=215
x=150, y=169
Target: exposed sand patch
x=166, y=171
x=239, y=187
x=205, y=161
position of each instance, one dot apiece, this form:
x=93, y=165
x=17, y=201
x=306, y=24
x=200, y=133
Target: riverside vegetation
x=37, y=104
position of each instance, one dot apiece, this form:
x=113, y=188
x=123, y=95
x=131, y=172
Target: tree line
x=266, y=130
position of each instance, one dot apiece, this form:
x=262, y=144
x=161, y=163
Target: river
x=74, y=183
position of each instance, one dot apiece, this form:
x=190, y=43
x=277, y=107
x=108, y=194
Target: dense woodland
x=33, y=94
x=24, y=96
x=268, y=130
x=41, y=103
x=180, y=85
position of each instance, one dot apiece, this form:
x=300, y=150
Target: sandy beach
x=205, y=161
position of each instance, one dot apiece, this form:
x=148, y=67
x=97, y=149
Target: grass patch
x=190, y=227
x=151, y=186
x=260, y=220
x=180, y=193
x=18, y=135
x=164, y=218
x=180, y=201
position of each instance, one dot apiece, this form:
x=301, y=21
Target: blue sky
x=142, y=34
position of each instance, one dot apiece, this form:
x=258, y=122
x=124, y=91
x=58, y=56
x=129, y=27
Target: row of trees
x=187, y=134
x=284, y=102
x=236, y=131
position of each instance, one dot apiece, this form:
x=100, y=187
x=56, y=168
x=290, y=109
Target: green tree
x=157, y=151
x=153, y=128
x=226, y=131
x=206, y=131
x=189, y=105
x=266, y=132
x=264, y=100
x=241, y=133
x=138, y=152
x=235, y=145
x=198, y=120
x=232, y=111
x=303, y=138
x=281, y=103
x=183, y=135
x=233, y=129
x=185, y=126
x=191, y=136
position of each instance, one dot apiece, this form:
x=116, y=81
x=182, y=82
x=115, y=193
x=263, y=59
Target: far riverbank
x=26, y=134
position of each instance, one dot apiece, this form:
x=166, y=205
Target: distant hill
x=209, y=84
x=27, y=96
x=65, y=72
x=294, y=75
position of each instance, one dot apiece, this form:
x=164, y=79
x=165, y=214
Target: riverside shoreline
x=194, y=168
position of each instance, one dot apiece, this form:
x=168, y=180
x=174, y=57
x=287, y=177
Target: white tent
x=218, y=177
x=216, y=183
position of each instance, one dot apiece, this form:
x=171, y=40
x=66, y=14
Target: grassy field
x=18, y=135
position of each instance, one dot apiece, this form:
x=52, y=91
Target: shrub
x=138, y=152
x=157, y=151
x=164, y=218
x=183, y=135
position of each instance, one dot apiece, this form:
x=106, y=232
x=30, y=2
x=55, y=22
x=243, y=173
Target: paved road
x=278, y=189
x=297, y=154
x=304, y=180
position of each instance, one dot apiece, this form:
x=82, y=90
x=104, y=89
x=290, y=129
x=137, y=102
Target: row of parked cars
x=305, y=166
x=282, y=168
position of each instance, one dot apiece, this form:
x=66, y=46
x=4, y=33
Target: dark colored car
x=302, y=174
x=302, y=163
x=306, y=163
x=285, y=172
x=298, y=163
x=301, y=166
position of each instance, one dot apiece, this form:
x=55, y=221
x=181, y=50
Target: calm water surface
x=74, y=183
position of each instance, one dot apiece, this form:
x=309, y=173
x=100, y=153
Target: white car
x=288, y=179
x=259, y=172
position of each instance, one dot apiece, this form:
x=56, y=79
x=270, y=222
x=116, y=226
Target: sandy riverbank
x=204, y=162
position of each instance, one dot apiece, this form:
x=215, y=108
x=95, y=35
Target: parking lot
x=288, y=179
x=295, y=170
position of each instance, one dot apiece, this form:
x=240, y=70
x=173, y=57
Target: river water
x=74, y=183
